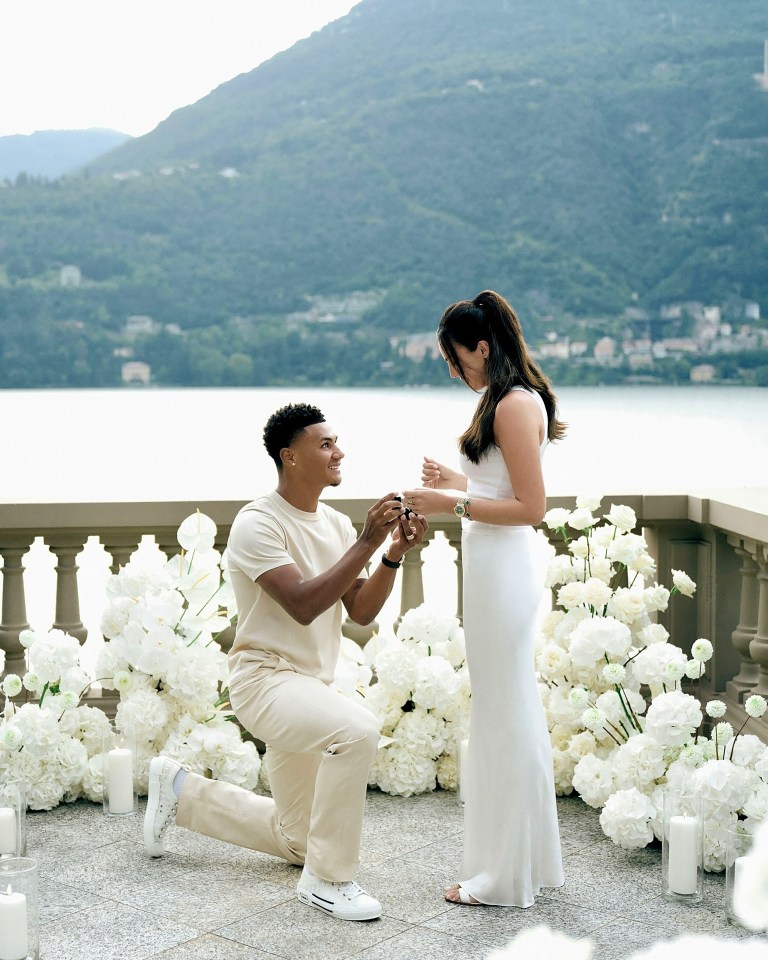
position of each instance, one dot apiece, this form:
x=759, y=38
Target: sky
x=77, y=64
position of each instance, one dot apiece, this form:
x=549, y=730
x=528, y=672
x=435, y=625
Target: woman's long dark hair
x=489, y=317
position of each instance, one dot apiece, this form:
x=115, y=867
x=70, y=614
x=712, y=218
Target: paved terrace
x=103, y=898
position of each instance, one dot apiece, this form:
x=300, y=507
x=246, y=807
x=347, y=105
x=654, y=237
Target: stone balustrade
x=721, y=542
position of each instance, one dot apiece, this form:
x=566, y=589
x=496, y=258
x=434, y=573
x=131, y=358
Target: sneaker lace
x=350, y=889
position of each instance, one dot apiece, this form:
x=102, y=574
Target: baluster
x=741, y=686
x=453, y=535
x=758, y=647
x=121, y=547
x=412, y=585
x=14, y=607
x=66, y=548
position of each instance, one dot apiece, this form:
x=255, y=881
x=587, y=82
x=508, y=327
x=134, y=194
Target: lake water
x=205, y=444
x=200, y=444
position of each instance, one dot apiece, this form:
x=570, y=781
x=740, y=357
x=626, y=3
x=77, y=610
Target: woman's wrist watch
x=462, y=508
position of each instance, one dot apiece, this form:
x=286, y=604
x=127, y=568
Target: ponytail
x=489, y=317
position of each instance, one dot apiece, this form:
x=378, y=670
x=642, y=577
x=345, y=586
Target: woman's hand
x=426, y=502
x=439, y=477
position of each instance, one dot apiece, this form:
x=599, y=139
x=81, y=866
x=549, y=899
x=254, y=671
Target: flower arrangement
x=421, y=698
x=541, y=941
x=161, y=654
x=622, y=728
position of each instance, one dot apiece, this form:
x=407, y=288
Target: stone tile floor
x=102, y=897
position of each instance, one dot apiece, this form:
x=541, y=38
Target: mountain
x=53, y=153
x=581, y=156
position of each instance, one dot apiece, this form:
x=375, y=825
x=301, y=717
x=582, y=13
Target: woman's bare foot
x=456, y=894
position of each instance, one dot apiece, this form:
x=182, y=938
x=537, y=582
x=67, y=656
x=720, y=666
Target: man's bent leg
x=227, y=812
x=296, y=714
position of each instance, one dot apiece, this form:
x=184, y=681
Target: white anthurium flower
x=197, y=533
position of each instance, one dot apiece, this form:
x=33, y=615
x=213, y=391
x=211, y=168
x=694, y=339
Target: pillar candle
x=7, y=830
x=120, y=780
x=14, y=943
x=683, y=862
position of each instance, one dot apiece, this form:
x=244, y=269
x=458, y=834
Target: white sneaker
x=347, y=901
x=161, y=804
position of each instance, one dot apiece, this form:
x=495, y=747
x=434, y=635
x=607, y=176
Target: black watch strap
x=392, y=564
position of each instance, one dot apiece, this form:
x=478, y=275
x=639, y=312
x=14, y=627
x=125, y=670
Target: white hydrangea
x=593, y=779
x=650, y=665
x=593, y=638
x=639, y=762
x=626, y=818
x=673, y=717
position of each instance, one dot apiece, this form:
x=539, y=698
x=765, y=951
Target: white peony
x=546, y=943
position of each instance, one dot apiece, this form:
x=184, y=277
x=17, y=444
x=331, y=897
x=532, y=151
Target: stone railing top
x=744, y=513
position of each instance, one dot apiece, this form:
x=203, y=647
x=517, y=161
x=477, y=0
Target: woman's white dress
x=511, y=835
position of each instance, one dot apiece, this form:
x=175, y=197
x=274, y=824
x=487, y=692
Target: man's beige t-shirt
x=268, y=533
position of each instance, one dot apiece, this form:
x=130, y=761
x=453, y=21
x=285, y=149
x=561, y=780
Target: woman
x=511, y=838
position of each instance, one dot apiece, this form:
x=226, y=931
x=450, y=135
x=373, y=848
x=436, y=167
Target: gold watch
x=462, y=508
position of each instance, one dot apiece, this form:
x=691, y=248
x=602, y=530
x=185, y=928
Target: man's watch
x=462, y=508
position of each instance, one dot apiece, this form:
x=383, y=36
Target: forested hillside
x=581, y=156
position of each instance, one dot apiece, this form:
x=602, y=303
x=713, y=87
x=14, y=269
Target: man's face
x=315, y=455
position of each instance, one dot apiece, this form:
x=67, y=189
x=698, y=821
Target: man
x=294, y=563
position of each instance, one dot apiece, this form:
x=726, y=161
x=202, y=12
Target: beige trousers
x=320, y=748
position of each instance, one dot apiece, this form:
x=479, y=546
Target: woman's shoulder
x=517, y=399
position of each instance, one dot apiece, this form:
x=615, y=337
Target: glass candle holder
x=682, y=848
x=13, y=818
x=738, y=843
x=19, y=911
x=119, y=759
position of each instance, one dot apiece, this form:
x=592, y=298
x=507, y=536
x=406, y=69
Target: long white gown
x=511, y=835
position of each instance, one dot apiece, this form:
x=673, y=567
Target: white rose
x=627, y=605
x=656, y=598
x=622, y=517
x=581, y=519
x=557, y=518
x=571, y=595
x=588, y=502
x=683, y=583
x=597, y=593
x=626, y=548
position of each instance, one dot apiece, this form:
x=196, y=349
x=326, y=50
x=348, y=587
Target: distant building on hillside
x=416, y=346
x=137, y=325
x=604, y=350
x=762, y=78
x=703, y=373
x=70, y=276
x=136, y=371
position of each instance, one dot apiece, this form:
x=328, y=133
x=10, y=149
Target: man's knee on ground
x=360, y=736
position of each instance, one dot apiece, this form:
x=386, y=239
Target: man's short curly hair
x=284, y=425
